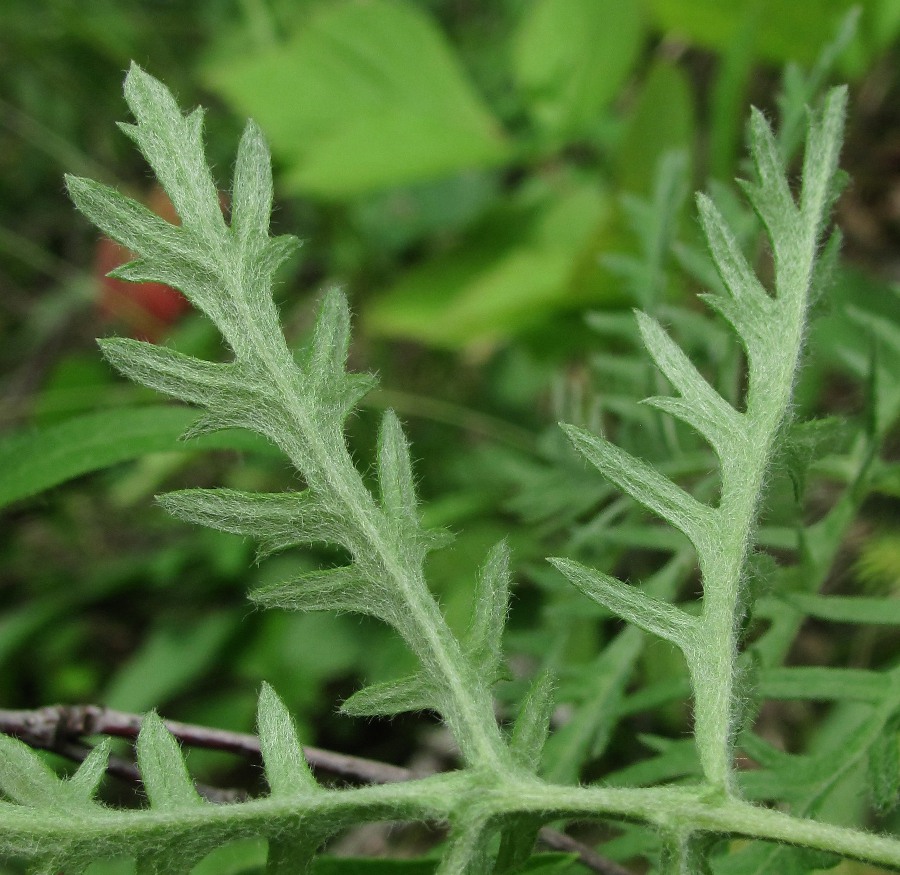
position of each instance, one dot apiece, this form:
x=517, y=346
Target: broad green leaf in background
x=663, y=120
x=570, y=58
x=366, y=96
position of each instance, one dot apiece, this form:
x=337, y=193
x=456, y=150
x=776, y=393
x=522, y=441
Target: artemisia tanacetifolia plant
x=495, y=802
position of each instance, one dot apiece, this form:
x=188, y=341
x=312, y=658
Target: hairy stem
x=322, y=456
x=440, y=798
x=712, y=656
x=467, y=701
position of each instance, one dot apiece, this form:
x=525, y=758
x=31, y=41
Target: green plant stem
x=441, y=798
x=468, y=707
x=713, y=657
x=319, y=451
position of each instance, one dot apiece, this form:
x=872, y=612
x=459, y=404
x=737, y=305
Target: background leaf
x=570, y=58
x=35, y=460
x=384, y=102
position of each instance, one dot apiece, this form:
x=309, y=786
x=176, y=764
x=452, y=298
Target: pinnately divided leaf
x=227, y=271
x=771, y=327
x=482, y=640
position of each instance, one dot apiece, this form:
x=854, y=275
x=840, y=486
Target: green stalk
x=328, y=468
x=713, y=660
x=105, y=832
x=468, y=706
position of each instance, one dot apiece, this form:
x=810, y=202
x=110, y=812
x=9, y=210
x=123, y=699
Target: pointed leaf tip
x=485, y=634
x=395, y=474
x=163, y=771
x=411, y=693
x=86, y=781
x=287, y=771
x=331, y=338
x=533, y=722
x=252, y=189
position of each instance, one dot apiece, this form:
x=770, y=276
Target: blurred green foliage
x=478, y=176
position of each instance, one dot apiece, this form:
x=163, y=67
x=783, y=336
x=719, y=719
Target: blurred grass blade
x=34, y=460
x=847, y=609
x=824, y=683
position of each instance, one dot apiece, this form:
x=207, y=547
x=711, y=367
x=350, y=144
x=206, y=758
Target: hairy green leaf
x=27, y=780
x=533, y=722
x=412, y=693
x=700, y=405
x=646, y=612
x=278, y=520
x=299, y=402
x=646, y=485
x=342, y=588
x=92, y=770
x=398, y=490
x=484, y=636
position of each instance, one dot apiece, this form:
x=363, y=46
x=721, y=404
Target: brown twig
x=48, y=727
x=62, y=728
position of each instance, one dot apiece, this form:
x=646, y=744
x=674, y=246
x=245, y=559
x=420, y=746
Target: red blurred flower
x=145, y=310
